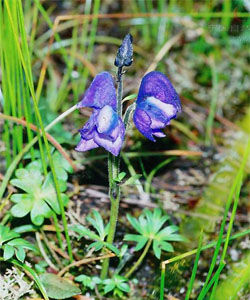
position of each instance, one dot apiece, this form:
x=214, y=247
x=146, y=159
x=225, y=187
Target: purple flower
x=104, y=127
x=157, y=103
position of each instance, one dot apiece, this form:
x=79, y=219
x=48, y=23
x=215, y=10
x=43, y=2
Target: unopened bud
x=124, y=55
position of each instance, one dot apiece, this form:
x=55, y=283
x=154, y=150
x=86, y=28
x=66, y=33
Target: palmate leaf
x=116, y=282
x=98, y=224
x=12, y=244
x=40, y=199
x=149, y=226
x=134, y=222
x=6, y=234
x=161, y=245
x=87, y=281
x=141, y=240
x=62, y=166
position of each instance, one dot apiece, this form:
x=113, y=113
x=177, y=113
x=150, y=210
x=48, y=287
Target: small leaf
x=123, y=286
x=132, y=180
x=20, y=253
x=8, y=252
x=109, y=287
x=134, y=223
x=141, y=240
x=157, y=249
x=57, y=287
x=120, y=177
x=129, y=97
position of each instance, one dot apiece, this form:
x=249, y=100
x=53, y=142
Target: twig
x=84, y=261
x=51, y=249
x=163, y=51
x=44, y=254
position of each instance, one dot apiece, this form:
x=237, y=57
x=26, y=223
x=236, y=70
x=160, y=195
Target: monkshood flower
x=104, y=127
x=157, y=103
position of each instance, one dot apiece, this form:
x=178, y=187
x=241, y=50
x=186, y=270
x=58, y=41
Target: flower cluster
x=104, y=128
x=157, y=103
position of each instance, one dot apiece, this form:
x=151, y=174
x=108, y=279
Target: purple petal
x=85, y=145
x=157, y=85
x=110, y=144
x=143, y=123
x=100, y=93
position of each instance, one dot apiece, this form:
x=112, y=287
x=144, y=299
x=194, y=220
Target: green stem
x=58, y=231
x=163, y=273
x=32, y=273
x=139, y=261
x=114, y=188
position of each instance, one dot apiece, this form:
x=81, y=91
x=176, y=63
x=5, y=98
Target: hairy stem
x=114, y=188
x=139, y=261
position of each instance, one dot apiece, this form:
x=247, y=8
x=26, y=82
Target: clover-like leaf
x=62, y=166
x=40, y=199
x=149, y=226
x=12, y=244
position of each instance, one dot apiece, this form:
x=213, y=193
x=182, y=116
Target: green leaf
x=97, y=223
x=149, y=226
x=166, y=246
x=8, y=252
x=27, y=180
x=141, y=240
x=157, y=249
x=133, y=179
x=112, y=248
x=83, y=231
x=88, y=281
x=20, y=253
x=57, y=287
x=62, y=166
x=129, y=97
x=135, y=223
x=120, y=177
x=167, y=231
x=123, y=286
x=109, y=287
x=22, y=243
x=6, y=234
x=40, y=199
x=97, y=245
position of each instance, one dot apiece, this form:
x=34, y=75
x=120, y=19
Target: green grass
x=212, y=281
x=17, y=39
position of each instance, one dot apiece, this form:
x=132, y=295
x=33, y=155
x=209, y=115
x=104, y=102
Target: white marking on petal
x=85, y=145
x=156, y=124
x=104, y=119
x=168, y=109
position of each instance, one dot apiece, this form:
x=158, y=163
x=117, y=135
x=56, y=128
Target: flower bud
x=124, y=55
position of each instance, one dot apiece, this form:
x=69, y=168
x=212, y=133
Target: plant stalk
x=139, y=261
x=114, y=188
